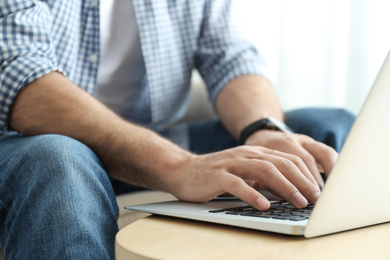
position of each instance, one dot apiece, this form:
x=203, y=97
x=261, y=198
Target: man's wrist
x=269, y=123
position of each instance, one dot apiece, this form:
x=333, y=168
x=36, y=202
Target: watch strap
x=264, y=123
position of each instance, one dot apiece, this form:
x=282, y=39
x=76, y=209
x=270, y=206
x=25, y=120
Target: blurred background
x=320, y=53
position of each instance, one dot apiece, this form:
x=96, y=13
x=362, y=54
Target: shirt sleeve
x=223, y=53
x=26, y=52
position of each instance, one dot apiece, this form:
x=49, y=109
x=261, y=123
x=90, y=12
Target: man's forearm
x=52, y=104
x=247, y=99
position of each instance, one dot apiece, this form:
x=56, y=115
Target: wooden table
x=157, y=237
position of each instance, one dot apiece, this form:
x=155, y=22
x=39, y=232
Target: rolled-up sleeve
x=26, y=52
x=222, y=53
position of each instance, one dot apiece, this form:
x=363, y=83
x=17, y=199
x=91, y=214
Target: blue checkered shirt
x=38, y=37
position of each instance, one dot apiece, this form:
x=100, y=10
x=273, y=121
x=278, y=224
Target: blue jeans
x=57, y=202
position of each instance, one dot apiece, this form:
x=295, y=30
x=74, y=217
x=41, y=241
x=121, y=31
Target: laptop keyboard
x=279, y=210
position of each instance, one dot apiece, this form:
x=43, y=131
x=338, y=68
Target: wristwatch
x=264, y=123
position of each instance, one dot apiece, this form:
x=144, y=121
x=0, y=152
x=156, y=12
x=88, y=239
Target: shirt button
x=94, y=3
x=93, y=58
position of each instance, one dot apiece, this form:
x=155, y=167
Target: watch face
x=279, y=125
x=271, y=126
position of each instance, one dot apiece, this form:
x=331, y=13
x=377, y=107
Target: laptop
x=356, y=193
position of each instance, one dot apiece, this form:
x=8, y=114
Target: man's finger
x=307, y=186
x=310, y=161
x=237, y=186
x=323, y=154
x=302, y=166
x=264, y=171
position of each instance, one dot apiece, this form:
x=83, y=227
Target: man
x=78, y=103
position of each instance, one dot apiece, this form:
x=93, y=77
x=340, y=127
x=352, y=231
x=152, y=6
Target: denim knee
x=59, y=163
x=328, y=125
x=59, y=196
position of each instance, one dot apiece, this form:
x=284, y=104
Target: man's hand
x=207, y=176
x=317, y=156
x=249, y=98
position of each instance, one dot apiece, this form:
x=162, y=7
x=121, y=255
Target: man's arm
x=245, y=100
x=136, y=155
x=52, y=104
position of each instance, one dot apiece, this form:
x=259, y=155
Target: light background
x=320, y=53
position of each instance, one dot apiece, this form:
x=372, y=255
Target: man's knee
x=52, y=183
x=55, y=151
x=61, y=167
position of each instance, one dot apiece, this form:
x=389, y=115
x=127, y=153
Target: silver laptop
x=356, y=194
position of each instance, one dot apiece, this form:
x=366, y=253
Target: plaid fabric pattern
x=37, y=37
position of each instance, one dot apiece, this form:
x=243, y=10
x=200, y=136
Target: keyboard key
x=281, y=210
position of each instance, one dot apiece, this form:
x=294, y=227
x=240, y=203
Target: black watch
x=265, y=123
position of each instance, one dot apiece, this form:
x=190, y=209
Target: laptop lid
x=359, y=183
x=355, y=194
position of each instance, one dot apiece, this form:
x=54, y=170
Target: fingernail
x=300, y=200
x=262, y=203
x=317, y=195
